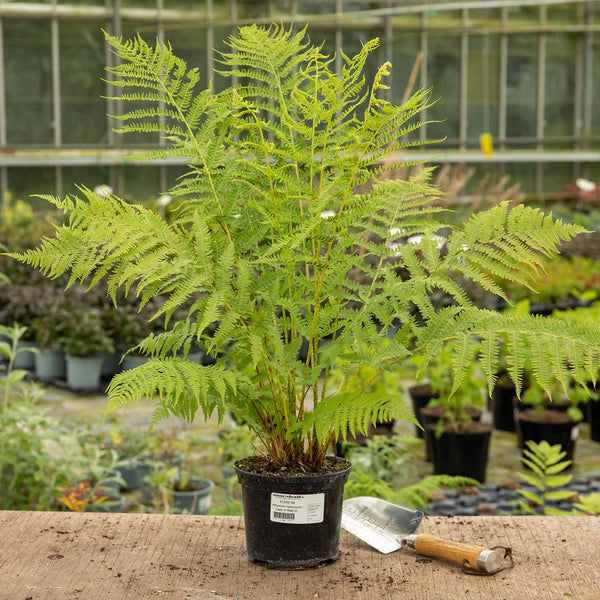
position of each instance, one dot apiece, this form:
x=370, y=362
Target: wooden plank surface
x=70, y=556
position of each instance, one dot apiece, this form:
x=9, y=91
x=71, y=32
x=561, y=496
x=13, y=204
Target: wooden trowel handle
x=477, y=558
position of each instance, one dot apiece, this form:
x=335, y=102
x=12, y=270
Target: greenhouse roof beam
x=109, y=157
x=39, y=10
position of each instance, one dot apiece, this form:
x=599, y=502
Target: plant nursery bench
x=99, y=556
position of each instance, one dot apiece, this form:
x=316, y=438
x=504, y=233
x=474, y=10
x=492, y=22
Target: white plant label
x=297, y=509
x=574, y=433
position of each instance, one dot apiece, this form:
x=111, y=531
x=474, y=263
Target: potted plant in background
x=49, y=329
x=174, y=490
x=129, y=445
x=465, y=404
x=84, y=341
x=545, y=417
x=21, y=303
x=456, y=441
x=264, y=245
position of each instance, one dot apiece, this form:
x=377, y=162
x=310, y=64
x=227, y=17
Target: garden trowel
x=388, y=527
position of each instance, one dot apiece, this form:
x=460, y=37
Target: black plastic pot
x=464, y=453
x=292, y=522
x=535, y=428
x=420, y=395
x=594, y=418
x=431, y=416
x=504, y=397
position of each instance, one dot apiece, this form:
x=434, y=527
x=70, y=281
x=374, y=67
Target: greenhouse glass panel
x=322, y=7
x=556, y=176
x=521, y=86
x=82, y=61
x=281, y=8
x=220, y=36
x=88, y=176
x=81, y=2
x=524, y=173
x=28, y=72
x=141, y=183
x=351, y=43
x=25, y=181
x=595, y=116
x=443, y=74
x=402, y=53
x=194, y=5
x=563, y=14
x=189, y=44
x=138, y=3
x=525, y=17
x=482, y=91
x=149, y=33
x=560, y=85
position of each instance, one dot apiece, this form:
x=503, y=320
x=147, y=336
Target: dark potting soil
x=503, y=498
x=546, y=416
x=472, y=427
x=437, y=412
x=263, y=466
x=188, y=487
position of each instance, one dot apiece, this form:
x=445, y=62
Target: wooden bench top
x=71, y=556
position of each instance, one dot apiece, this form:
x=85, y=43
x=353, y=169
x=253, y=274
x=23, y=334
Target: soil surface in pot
x=546, y=416
x=437, y=412
x=179, y=486
x=472, y=427
x=263, y=466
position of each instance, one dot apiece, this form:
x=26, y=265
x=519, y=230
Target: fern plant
x=547, y=464
x=273, y=247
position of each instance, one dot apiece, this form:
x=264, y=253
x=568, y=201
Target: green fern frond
x=181, y=387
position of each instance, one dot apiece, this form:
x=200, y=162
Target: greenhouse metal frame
x=388, y=19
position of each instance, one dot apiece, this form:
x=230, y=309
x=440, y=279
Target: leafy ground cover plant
x=564, y=278
x=34, y=464
x=547, y=466
x=263, y=247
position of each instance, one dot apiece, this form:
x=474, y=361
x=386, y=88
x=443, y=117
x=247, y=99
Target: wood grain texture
x=70, y=556
x=456, y=552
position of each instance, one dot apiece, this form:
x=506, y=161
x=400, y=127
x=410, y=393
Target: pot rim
x=295, y=478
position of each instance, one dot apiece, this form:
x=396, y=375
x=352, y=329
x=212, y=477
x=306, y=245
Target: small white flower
x=237, y=216
x=328, y=214
x=393, y=246
x=415, y=239
x=441, y=241
x=394, y=231
x=164, y=200
x=585, y=185
x=464, y=248
x=104, y=190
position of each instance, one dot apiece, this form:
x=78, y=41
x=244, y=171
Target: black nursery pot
x=559, y=430
x=420, y=395
x=594, y=418
x=464, y=453
x=504, y=397
x=292, y=522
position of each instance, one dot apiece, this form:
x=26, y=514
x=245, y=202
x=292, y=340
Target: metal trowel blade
x=379, y=523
